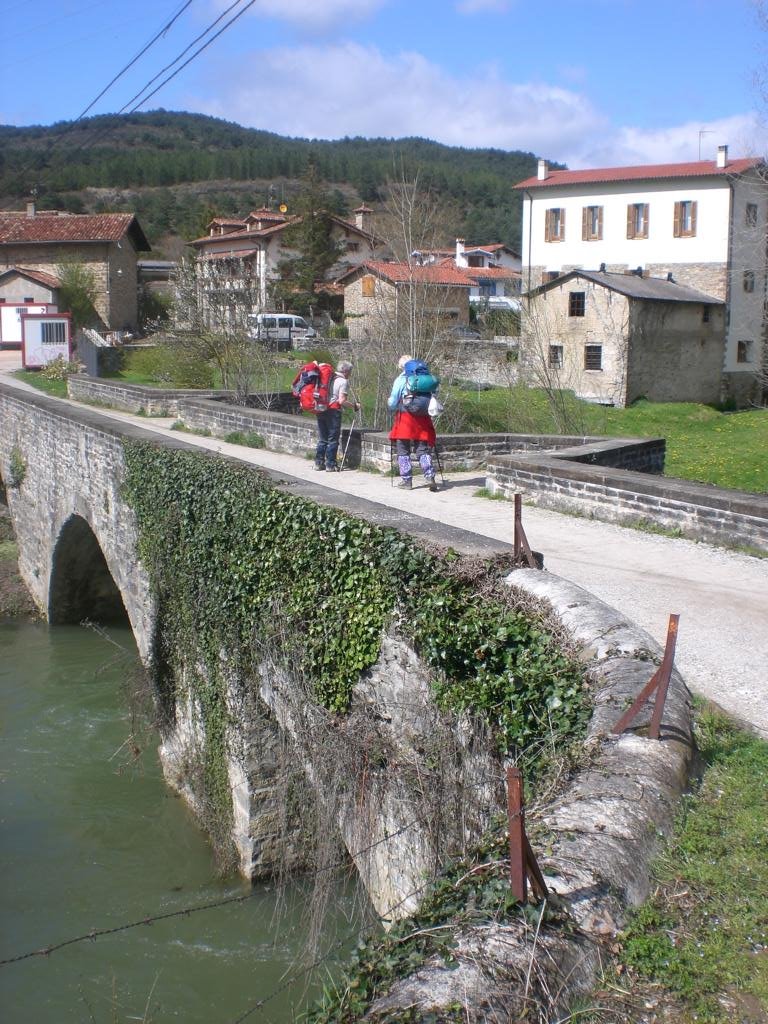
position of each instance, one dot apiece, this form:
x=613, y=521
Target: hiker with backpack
x=325, y=392
x=412, y=430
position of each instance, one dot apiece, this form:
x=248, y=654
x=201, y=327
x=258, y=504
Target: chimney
x=602, y=268
x=363, y=216
x=670, y=277
x=543, y=171
x=460, y=259
x=722, y=156
x=31, y=208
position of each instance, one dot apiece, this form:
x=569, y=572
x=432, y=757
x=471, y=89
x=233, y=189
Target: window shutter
x=630, y=221
x=694, y=204
x=646, y=219
x=562, y=225
x=548, y=226
x=599, y=222
x=584, y=223
x=678, y=220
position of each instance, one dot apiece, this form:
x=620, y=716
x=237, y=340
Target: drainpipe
x=530, y=232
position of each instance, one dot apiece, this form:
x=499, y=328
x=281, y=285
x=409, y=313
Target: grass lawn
x=699, y=946
x=36, y=379
x=729, y=449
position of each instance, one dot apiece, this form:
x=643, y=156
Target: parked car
x=279, y=329
x=496, y=302
x=460, y=331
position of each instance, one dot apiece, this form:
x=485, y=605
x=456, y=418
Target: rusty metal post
x=659, y=681
x=521, y=545
x=664, y=675
x=517, y=840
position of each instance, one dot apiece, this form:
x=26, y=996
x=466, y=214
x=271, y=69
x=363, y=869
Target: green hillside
x=176, y=169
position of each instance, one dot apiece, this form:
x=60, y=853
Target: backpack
x=420, y=386
x=312, y=385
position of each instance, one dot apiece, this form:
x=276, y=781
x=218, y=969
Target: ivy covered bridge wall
x=318, y=673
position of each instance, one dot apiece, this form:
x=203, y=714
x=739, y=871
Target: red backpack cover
x=312, y=386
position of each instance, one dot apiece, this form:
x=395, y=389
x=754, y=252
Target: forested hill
x=175, y=170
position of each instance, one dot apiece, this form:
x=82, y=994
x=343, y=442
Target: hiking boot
x=406, y=483
x=320, y=469
x=433, y=485
x=332, y=469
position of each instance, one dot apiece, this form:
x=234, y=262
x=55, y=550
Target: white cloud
x=349, y=89
x=317, y=14
x=627, y=146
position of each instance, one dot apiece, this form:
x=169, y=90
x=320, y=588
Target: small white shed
x=45, y=337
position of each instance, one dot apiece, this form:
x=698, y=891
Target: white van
x=279, y=328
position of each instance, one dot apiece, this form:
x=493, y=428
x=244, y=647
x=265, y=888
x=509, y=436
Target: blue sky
x=594, y=83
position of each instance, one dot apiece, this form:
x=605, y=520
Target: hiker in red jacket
x=411, y=433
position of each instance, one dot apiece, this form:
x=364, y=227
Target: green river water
x=91, y=840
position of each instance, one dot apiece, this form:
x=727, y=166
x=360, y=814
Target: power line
x=96, y=933
x=133, y=60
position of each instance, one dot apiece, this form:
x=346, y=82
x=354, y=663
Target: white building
x=703, y=223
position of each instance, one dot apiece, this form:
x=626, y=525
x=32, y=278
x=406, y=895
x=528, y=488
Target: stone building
x=612, y=338
x=705, y=222
x=106, y=244
x=244, y=255
x=382, y=298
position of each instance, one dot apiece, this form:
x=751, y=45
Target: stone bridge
x=62, y=468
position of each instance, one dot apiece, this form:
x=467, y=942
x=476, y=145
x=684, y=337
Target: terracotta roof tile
x=21, y=229
x=644, y=172
x=48, y=280
x=398, y=273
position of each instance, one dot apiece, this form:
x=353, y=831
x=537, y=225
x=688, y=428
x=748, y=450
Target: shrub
x=59, y=369
x=171, y=365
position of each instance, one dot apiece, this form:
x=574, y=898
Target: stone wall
x=562, y=481
x=113, y=268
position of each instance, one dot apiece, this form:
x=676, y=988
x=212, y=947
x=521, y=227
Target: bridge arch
x=81, y=584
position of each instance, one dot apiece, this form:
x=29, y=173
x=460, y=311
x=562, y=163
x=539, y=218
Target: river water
x=92, y=839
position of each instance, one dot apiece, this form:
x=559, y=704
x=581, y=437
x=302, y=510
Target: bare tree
x=409, y=315
x=213, y=301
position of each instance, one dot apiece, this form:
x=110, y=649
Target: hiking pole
x=349, y=438
x=439, y=463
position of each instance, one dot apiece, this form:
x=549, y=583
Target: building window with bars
x=750, y=215
x=577, y=303
x=53, y=332
x=555, y=357
x=593, y=357
x=749, y=280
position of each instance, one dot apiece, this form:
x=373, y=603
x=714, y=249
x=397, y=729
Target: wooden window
x=550, y=275
x=637, y=220
x=705, y=314
x=743, y=351
x=591, y=223
x=555, y=357
x=29, y=299
x=749, y=281
x=369, y=286
x=685, y=218
x=554, y=225
x=750, y=215
x=577, y=303
x=593, y=357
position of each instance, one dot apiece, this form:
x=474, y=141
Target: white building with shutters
x=703, y=225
